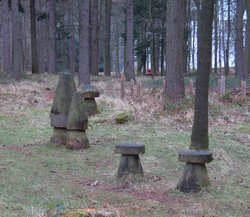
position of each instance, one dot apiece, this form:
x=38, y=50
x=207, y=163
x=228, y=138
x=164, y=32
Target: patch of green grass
x=153, y=83
x=230, y=82
x=37, y=178
x=245, y=129
x=31, y=125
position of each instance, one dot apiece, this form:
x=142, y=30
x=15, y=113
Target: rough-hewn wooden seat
x=130, y=149
x=196, y=156
x=130, y=161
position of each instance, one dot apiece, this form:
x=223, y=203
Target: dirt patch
x=48, y=95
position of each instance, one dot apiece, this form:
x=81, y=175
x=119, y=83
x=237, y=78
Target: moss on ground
x=121, y=118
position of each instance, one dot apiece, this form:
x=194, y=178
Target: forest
x=127, y=108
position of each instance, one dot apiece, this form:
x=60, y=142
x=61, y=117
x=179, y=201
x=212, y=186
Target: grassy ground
x=37, y=179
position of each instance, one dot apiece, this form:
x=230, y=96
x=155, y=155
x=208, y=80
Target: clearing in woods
x=37, y=179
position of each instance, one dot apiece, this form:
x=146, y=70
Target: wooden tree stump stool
x=195, y=174
x=130, y=161
x=89, y=93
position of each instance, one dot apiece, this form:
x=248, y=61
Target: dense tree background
x=50, y=36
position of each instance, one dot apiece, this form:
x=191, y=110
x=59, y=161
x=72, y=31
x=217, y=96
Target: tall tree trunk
x=193, y=43
x=43, y=38
x=247, y=47
x=157, y=49
x=129, y=64
x=239, y=53
x=140, y=64
x=195, y=174
x=27, y=57
x=152, y=39
x=90, y=36
x=228, y=37
x=101, y=30
x=84, y=76
x=163, y=48
x=223, y=42
x=199, y=138
x=216, y=37
x=34, y=51
x=71, y=42
x=95, y=38
x=43, y=47
x=117, y=49
x=141, y=53
x=16, y=40
x=176, y=54
x=189, y=30
x=107, y=69
x=52, y=36
x=220, y=45
x=6, y=38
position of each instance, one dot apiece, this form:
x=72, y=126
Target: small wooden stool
x=130, y=161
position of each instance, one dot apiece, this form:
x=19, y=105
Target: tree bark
x=6, y=38
x=117, y=48
x=84, y=76
x=216, y=37
x=239, y=53
x=52, y=36
x=152, y=40
x=247, y=46
x=157, y=54
x=163, y=48
x=26, y=44
x=228, y=38
x=34, y=51
x=189, y=35
x=16, y=40
x=223, y=29
x=195, y=176
x=107, y=69
x=95, y=38
x=193, y=44
x=199, y=138
x=43, y=37
x=71, y=42
x=176, y=54
x=129, y=64
x=220, y=42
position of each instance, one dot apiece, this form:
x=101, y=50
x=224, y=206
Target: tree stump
x=89, y=93
x=122, y=86
x=195, y=176
x=77, y=123
x=130, y=161
x=60, y=108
